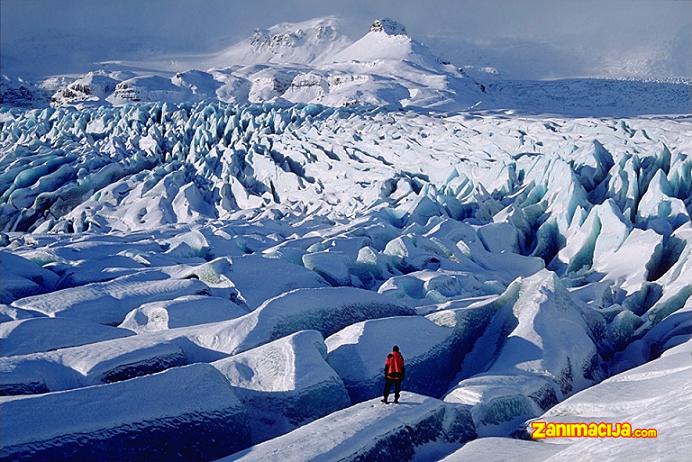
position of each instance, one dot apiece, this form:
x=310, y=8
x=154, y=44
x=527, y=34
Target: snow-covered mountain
x=307, y=62
x=287, y=43
x=387, y=40
x=314, y=62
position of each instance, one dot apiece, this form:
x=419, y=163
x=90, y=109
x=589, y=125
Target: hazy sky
x=526, y=38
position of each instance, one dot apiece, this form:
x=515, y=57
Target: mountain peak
x=298, y=42
x=292, y=35
x=388, y=26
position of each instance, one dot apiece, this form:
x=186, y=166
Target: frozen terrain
x=314, y=61
x=214, y=264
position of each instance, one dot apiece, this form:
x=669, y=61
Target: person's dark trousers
x=388, y=386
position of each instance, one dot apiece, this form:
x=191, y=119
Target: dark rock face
x=17, y=93
x=388, y=26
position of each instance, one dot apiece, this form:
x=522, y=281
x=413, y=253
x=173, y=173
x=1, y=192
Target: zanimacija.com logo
x=541, y=429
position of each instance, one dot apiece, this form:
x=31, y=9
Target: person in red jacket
x=394, y=371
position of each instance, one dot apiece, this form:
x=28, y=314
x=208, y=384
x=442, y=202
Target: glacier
x=146, y=239
x=214, y=264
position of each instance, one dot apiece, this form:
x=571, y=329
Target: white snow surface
x=519, y=258
x=139, y=410
x=273, y=368
x=494, y=449
x=354, y=432
x=130, y=397
x=654, y=395
x=181, y=312
x=43, y=334
x=285, y=384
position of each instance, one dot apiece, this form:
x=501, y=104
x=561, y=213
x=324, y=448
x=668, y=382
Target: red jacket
x=394, y=366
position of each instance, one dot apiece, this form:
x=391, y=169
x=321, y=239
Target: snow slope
x=109, y=302
x=654, y=395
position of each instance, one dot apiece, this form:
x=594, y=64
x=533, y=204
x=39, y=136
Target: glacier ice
x=654, y=395
x=22, y=277
x=44, y=334
x=357, y=353
x=531, y=368
x=109, y=302
x=285, y=384
x=180, y=312
x=368, y=431
x=182, y=413
x=518, y=262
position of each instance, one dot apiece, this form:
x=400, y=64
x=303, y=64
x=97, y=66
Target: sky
x=522, y=38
